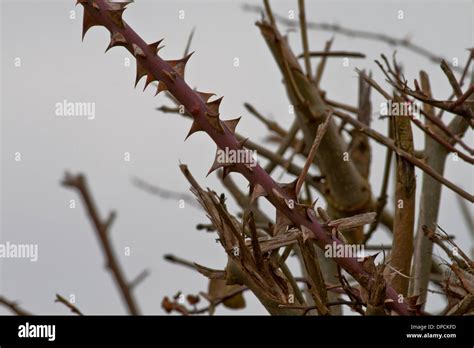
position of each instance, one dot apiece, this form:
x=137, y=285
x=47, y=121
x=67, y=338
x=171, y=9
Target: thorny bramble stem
x=170, y=75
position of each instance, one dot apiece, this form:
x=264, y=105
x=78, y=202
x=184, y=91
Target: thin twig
x=381, y=139
x=215, y=302
x=431, y=132
x=322, y=63
x=459, y=251
x=342, y=106
x=271, y=125
x=402, y=86
x=334, y=54
x=304, y=38
x=322, y=128
x=139, y=278
x=461, y=79
x=79, y=183
x=13, y=307
x=269, y=12
x=463, y=97
x=284, y=145
x=363, y=34
x=188, y=44
x=429, y=116
x=164, y=193
x=451, y=78
x=243, y=200
x=180, y=261
x=68, y=304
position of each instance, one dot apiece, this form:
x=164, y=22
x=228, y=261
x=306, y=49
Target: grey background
x=57, y=66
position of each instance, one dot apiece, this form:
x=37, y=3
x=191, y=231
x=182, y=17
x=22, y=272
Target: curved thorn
x=140, y=73
x=161, y=87
x=232, y=124
x=87, y=23
x=117, y=39
x=213, y=107
x=116, y=16
x=205, y=96
x=155, y=46
x=149, y=79
x=195, y=127
x=215, y=122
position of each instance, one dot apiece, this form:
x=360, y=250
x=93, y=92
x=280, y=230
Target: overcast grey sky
x=57, y=66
